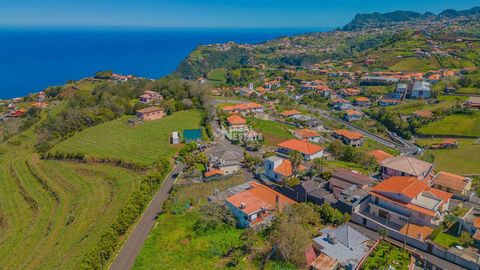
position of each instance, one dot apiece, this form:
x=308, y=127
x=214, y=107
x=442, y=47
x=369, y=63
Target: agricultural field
x=273, y=132
x=462, y=160
x=414, y=64
x=142, y=144
x=53, y=212
x=467, y=124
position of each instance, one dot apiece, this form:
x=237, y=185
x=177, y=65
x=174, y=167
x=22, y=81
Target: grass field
x=141, y=144
x=172, y=245
x=414, y=64
x=457, y=124
x=462, y=160
x=219, y=74
x=53, y=212
x=273, y=132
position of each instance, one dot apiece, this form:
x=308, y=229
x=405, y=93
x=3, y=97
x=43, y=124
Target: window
x=421, y=215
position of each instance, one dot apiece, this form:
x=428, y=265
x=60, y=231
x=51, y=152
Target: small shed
x=175, y=138
x=192, y=135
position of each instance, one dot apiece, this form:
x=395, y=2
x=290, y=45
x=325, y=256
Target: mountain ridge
x=364, y=20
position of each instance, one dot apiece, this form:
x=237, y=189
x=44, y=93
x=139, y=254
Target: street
x=131, y=248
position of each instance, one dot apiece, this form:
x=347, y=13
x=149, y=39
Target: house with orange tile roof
x=380, y=155
x=150, y=113
x=290, y=113
x=308, y=134
x=348, y=137
x=361, y=101
x=222, y=163
x=405, y=166
x=352, y=115
x=254, y=204
x=236, y=124
x=308, y=150
x=452, y=183
x=18, y=113
x=278, y=169
x=404, y=199
x=244, y=108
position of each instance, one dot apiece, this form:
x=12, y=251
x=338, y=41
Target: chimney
x=331, y=238
x=243, y=205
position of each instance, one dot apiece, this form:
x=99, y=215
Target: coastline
x=52, y=56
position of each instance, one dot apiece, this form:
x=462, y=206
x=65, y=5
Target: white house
x=421, y=89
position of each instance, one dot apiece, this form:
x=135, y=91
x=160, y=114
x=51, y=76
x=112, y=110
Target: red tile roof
x=286, y=168
x=303, y=147
x=349, y=134
x=353, y=112
x=258, y=197
x=405, y=185
x=453, y=181
x=410, y=187
x=380, y=155
x=305, y=133
x=362, y=99
x=213, y=172
x=236, y=120
x=290, y=113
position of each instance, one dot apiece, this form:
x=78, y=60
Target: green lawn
x=273, y=132
x=384, y=255
x=141, y=144
x=445, y=240
x=172, y=244
x=457, y=124
x=218, y=74
x=462, y=160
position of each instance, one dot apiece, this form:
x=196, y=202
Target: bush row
x=80, y=157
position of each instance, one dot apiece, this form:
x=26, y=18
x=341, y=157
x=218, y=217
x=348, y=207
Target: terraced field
x=52, y=212
x=141, y=144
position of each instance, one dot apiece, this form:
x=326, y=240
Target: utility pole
x=406, y=234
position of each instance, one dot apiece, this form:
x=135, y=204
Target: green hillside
x=142, y=144
x=53, y=212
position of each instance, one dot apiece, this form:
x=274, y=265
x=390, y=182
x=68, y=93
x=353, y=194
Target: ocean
x=32, y=59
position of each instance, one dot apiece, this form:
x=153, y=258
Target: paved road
x=130, y=250
x=406, y=147
x=446, y=265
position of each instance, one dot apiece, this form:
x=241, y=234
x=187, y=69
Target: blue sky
x=207, y=13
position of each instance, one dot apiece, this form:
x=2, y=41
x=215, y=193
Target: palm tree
x=296, y=158
x=318, y=165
